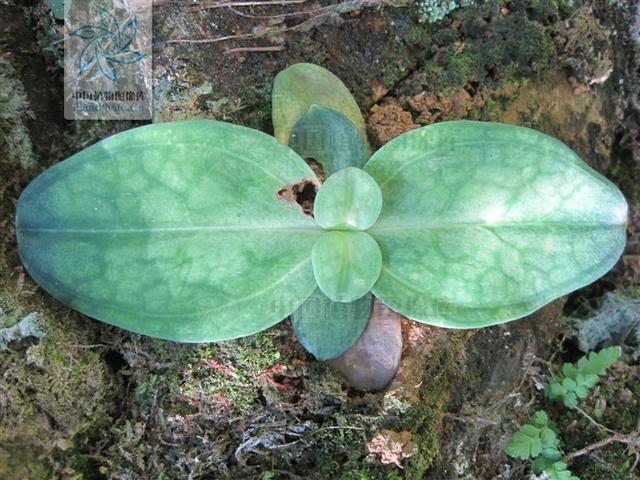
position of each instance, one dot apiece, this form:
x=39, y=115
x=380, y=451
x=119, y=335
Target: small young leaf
x=301, y=85
x=326, y=328
x=539, y=464
x=346, y=264
x=581, y=391
x=535, y=440
x=540, y=419
x=552, y=453
x=595, y=363
x=483, y=223
x=558, y=471
x=525, y=443
x=173, y=230
x=569, y=370
x=348, y=200
x=330, y=138
x=570, y=400
x=581, y=377
x=548, y=437
x=555, y=390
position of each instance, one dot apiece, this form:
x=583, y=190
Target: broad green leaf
x=483, y=223
x=330, y=138
x=348, y=200
x=302, y=85
x=176, y=230
x=326, y=328
x=346, y=264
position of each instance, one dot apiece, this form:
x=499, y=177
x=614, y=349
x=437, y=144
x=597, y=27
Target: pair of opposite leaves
x=178, y=231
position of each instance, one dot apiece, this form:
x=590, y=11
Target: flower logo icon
x=107, y=45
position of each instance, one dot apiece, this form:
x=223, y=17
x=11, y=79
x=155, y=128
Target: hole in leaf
x=302, y=193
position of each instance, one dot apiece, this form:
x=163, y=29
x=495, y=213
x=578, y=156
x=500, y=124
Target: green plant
x=204, y=231
x=580, y=377
x=537, y=440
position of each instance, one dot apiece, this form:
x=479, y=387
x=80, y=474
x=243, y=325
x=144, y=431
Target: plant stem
x=631, y=439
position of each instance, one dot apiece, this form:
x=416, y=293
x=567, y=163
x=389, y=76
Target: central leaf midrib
x=194, y=229
x=461, y=225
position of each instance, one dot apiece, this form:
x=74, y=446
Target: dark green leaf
x=330, y=138
x=327, y=328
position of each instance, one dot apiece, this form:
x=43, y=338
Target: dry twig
x=631, y=439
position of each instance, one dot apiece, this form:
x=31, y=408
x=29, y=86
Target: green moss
x=614, y=464
x=230, y=373
x=15, y=142
x=423, y=421
x=486, y=48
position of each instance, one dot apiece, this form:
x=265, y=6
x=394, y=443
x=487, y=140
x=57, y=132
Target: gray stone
x=371, y=363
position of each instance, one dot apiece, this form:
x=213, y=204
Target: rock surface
x=371, y=363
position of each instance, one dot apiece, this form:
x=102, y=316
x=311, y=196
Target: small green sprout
x=537, y=440
x=197, y=231
x=579, y=378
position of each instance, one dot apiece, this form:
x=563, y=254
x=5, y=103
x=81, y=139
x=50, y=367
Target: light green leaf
x=348, y=200
x=330, y=138
x=597, y=363
x=570, y=400
x=581, y=391
x=548, y=437
x=569, y=370
x=580, y=377
x=175, y=230
x=326, y=328
x=525, y=443
x=483, y=223
x=558, y=471
x=301, y=85
x=540, y=463
x=346, y=264
x=552, y=453
x=540, y=419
